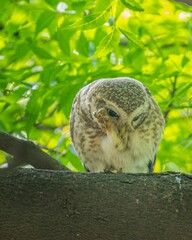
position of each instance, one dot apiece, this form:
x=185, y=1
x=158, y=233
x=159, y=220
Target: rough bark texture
x=27, y=152
x=37, y=204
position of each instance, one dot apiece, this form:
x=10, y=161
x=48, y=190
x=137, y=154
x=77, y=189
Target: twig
x=172, y=95
x=185, y=1
x=26, y=152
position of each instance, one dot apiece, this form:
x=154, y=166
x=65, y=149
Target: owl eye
x=137, y=120
x=111, y=113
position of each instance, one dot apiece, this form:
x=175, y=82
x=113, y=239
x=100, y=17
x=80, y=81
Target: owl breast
x=99, y=154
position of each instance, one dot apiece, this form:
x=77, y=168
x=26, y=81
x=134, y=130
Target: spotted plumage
x=116, y=126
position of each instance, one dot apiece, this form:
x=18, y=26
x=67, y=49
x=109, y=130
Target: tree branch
x=188, y=2
x=172, y=95
x=26, y=152
x=47, y=205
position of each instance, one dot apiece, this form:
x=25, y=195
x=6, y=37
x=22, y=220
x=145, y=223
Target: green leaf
x=132, y=4
x=183, y=89
x=67, y=93
x=83, y=45
x=52, y=3
x=40, y=52
x=22, y=50
x=119, y=7
x=79, y=5
x=74, y=160
x=63, y=38
x=185, y=60
x=50, y=73
x=131, y=37
x=32, y=110
x=108, y=44
x=103, y=5
x=91, y=21
x=44, y=20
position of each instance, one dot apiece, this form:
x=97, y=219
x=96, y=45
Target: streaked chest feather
x=133, y=159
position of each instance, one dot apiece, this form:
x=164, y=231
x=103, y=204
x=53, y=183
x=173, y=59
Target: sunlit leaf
x=131, y=37
x=185, y=60
x=44, y=20
x=108, y=44
x=83, y=45
x=117, y=9
x=90, y=21
x=41, y=52
x=132, y=4
x=104, y=5
x=78, y=5
x=64, y=41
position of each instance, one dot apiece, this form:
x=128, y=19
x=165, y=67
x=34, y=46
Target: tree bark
x=27, y=152
x=37, y=204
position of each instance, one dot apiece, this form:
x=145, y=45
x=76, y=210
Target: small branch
x=172, y=95
x=26, y=152
x=188, y=2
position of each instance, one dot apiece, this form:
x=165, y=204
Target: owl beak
x=122, y=131
x=124, y=135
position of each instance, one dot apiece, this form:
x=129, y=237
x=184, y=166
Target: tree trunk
x=39, y=205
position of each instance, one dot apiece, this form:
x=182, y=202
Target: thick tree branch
x=26, y=152
x=47, y=205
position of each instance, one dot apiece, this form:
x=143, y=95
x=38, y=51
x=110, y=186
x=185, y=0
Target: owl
x=116, y=126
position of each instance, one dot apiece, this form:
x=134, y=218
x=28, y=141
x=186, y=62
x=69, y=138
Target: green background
x=51, y=49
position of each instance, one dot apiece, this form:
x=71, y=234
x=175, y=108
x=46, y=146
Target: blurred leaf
x=131, y=37
x=83, y=45
x=133, y=5
x=79, y=5
x=90, y=21
x=32, y=110
x=103, y=5
x=108, y=44
x=74, y=160
x=67, y=95
x=44, y=20
x=64, y=37
x=185, y=60
x=40, y=52
x=117, y=9
x=183, y=89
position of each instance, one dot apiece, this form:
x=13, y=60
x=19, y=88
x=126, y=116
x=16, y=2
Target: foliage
x=50, y=49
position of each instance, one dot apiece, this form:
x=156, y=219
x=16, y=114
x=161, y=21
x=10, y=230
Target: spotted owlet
x=116, y=126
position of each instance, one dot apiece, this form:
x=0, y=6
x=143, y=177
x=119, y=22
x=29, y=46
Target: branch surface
x=27, y=152
x=47, y=205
